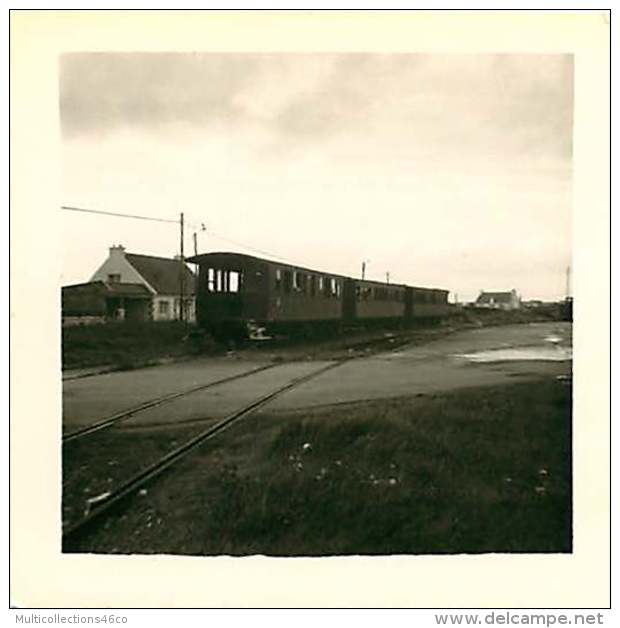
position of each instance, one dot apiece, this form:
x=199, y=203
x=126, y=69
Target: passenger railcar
x=236, y=291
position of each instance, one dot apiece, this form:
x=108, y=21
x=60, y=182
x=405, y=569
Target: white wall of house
x=166, y=308
x=163, y=307
x=117, y=265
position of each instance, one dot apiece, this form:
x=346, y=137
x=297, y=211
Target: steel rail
x=126, y=414
x=154, y=470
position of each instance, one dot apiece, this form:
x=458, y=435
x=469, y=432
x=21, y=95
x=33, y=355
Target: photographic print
x=310, y=309
x=316, y=304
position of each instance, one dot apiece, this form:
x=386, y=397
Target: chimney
x=117, y=250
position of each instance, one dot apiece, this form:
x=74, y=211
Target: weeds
x=473, y=471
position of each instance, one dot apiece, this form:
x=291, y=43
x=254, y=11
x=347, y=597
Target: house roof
x=127, y=290
x=109, y=289
x=495, y=297
x=162, y=274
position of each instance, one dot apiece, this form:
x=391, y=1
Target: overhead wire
x=117, y=214
x=187, y=225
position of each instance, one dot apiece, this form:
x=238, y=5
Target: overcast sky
x=450, y=171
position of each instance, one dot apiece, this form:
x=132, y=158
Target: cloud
x=451, y=170
x=102, y=92
x=420, y=105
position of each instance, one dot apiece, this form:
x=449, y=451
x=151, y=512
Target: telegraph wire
x=99, y=211
x=254, y=250
x=192, y=225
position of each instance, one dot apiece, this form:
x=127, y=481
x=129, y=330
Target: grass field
x=125, y=344
x=476, y=470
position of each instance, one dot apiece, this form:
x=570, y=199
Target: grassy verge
x=478, y=470
x=125, y=345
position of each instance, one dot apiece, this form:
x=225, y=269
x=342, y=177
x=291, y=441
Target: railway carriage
x=381, y=302
x=237, y=293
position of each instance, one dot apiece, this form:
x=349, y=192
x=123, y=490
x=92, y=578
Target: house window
x=114, y=278
x=164, y=308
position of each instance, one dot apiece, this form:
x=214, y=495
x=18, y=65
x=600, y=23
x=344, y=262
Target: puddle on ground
x=553, y=354
x=552, y=351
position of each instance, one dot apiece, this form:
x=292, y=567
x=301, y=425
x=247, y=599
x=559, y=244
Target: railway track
x=124, y=415
x=75, y=531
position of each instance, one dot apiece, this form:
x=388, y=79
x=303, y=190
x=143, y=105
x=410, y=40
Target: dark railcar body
x=379, y=301
x=235, y=290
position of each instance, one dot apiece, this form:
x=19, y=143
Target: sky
x=449, y=171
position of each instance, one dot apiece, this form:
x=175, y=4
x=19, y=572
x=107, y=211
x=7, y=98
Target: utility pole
x=567, y=282
x=364, y=262
x=387, y=277
x=182, y=271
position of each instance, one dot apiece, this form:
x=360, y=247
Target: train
x=243, y=296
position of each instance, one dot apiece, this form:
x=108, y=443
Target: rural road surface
x=474, y=357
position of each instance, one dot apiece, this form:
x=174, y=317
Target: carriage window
x=210, y=280
x=312, y=283
x=297, y=281
x=278, y=279
x=234, y=281
x=224, y=280
x=288, y=281
x=338, y=289
x=321, y=285
x=333, y=287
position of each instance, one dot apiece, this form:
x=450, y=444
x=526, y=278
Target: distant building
x=164, y=279
x=533, y=304
x=498, y=300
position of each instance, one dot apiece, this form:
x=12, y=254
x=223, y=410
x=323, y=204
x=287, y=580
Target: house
x=498, y=300
x=165, y=280
x=98, y=302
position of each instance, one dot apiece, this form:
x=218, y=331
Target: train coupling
x=256, y=332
